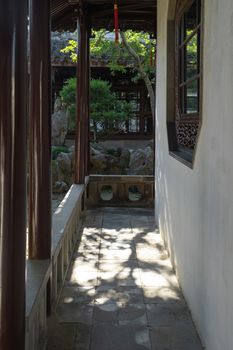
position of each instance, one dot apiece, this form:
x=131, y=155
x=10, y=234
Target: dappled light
x=121, y=283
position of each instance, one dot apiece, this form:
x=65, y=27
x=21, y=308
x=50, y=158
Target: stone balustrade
x=46, y=277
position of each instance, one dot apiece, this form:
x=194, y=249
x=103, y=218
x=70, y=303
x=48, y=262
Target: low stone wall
x=45, y=278
x=124, y=190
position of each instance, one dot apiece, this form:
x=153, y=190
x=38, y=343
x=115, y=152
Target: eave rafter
x=133, y=14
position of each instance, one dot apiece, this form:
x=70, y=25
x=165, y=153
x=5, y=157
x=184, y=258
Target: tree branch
x=141, y=70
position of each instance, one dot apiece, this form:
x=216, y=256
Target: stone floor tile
x=83, y=337
x=117, y=254
x=81, y=266
x=93, y=221
x=150, y=278
x=151, y=238
x=125, y=277
x=90, y=231
x=131, y=314
x=117, y=244
x=145, y=252
x=120, y=286
x=82, y=278
x=60, y=336
x=160, y=295
x=86, y=255
x=119, y=231
x=120, y=295
x=160, y=265
x=177, y=337
x=106, y=313
x=89, y=245
x=89, y=249
x=84, y=264
x=116, y=227
x=143, y=229
x=112, y=337
x=108, y=239
x=74, y=312
x=117, y=265
x=80, y=295
x=167, y=314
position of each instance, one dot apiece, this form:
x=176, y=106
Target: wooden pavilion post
x=13, y=113
x=87, y=169
x=40, y=131
x=82, y=133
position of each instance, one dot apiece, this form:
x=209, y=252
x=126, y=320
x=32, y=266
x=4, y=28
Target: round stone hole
x=106, y=193
x=134, y=194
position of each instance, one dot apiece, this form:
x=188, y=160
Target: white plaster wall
x=194, y=207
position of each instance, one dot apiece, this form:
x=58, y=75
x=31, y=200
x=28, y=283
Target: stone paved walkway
x=121, y=292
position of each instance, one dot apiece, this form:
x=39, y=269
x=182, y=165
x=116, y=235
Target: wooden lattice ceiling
x=133, y=14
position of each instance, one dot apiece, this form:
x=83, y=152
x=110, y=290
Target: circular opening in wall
x=106, y=193
x=134, y=194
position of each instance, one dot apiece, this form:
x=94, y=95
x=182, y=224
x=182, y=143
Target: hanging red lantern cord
x=116, y=23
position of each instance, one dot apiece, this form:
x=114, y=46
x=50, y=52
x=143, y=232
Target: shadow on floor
x=121, y=292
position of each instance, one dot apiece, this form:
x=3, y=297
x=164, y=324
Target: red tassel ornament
x=116, y=23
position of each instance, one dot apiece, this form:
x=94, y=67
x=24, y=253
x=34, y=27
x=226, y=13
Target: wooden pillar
x=82, y=138
x=88, y=107
x=40, y=131
x=13, y=113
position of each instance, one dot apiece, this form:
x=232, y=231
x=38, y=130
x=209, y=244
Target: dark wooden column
x=40, y=131
x=82, y=138
x=87, y=169
x=13, y=112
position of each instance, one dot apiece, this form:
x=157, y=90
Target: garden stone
x=60, y=187
x=64, y=161
x=98, y=160
x=60, y=119
x=124, y=158
x=141, y=162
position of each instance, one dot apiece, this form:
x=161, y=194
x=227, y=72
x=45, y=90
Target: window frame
x=182, y=8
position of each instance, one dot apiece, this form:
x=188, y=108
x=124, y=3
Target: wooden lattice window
x=188, y=31
x=184, y=79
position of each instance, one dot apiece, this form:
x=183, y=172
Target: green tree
x=135, y=51
x=106, y=111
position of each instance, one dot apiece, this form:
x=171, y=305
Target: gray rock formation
x=62, y=172
x=98, y=159
x=60, y=120
x=141, y=162
x=60, y=187
x=118, y=161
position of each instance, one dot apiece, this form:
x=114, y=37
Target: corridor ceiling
x=133, y=14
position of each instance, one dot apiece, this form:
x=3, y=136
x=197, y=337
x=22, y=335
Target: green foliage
x=71, y=48
x=68, y=97
x=112, y=152
x=103, y=47
x=58, y=149
x=104, y=106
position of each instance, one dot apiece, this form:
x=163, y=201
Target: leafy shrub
x=58, y=149
x=105, y=109
x=68, y=97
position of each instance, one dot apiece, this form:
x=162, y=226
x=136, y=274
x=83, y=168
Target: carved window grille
x=184, y=79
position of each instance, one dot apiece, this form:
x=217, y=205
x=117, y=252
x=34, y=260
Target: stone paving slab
x=75, y=313
x=113, y=337
x=176, y=337
x=121, y=295
x=61, y=336
x=160, y=295
x=82, y=295
x=121, y=292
